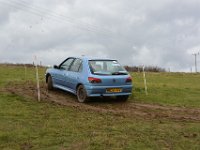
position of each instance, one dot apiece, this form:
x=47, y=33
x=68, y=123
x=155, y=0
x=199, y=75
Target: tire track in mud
x=105, y=105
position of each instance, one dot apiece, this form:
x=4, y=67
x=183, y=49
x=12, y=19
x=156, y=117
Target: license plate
x=113, y=90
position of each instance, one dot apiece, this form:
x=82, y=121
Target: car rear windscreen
x=106, y=67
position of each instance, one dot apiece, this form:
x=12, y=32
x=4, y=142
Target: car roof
x=93, y=58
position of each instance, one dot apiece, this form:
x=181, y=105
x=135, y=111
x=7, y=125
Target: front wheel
x=82, y=94
x=123, y=98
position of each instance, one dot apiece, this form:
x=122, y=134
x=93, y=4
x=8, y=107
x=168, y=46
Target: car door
x=74, y=73
x=63, y=72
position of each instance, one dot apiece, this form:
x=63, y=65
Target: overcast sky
x=161, y=33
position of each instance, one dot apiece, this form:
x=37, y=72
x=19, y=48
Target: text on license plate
x=113, y=90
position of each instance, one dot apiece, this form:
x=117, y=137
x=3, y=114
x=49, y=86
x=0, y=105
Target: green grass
x=178, y=89
x=28, y=124
x=11, y=74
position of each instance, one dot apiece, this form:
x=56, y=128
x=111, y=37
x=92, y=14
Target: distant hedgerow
x=148, y=69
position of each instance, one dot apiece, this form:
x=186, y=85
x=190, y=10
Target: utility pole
x=195, y=60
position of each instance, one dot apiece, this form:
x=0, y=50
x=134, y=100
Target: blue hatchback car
x=90, y=77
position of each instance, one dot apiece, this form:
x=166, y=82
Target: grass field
x=28, y=124
x=178, y=89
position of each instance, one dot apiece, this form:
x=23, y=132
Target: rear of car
x=86, y=78
x=108, y=78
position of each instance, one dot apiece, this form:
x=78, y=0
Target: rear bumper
x=96, y=91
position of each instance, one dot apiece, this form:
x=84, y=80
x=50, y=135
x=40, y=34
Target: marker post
x=145, y=81
x=37, y=79
x=25, y=72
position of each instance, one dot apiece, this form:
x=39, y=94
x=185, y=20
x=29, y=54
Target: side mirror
x=56, y=67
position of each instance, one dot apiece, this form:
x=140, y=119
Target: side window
x=76, y=66
x=66, y=64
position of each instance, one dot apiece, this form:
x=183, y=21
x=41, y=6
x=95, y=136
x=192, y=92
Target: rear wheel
x=82, y=94
x=49, y=83
x=123, y=98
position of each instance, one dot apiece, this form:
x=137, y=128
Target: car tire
x=81, y=94
x=49, y=83
x=123, y=98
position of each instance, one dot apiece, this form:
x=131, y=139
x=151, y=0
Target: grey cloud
x=135, y=32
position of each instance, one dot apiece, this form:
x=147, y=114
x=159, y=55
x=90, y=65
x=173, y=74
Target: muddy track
x=127, y=109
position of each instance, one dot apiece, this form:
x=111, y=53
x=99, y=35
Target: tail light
x=94, y=80
x=129, y=79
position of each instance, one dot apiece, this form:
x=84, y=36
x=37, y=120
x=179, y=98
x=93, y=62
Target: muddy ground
x=105, y=105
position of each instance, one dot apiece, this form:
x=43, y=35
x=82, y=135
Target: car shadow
x=106, y=100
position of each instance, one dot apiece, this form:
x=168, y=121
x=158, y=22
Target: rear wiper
x=119, y=73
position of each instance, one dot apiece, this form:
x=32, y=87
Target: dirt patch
x=26, y=146
x=128, y=109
